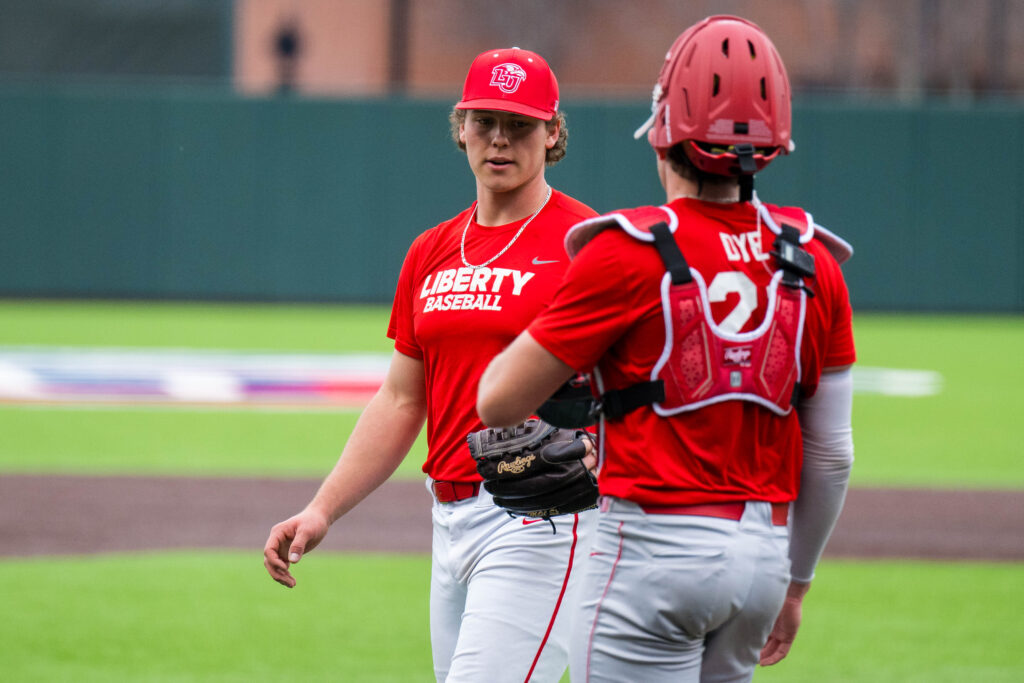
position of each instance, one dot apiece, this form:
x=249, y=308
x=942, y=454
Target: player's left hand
x=780, y=640
x=590, y=459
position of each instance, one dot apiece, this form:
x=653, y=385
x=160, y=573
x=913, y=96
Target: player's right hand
x=783, y=632
x=289, y=541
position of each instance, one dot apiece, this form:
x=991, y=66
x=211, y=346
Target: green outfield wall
x=197, y=194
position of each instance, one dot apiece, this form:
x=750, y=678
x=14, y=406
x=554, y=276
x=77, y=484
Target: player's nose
x=500, y=135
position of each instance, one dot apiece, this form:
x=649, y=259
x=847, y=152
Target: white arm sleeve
x=828, y=455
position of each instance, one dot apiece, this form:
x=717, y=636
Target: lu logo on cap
x=507, y=77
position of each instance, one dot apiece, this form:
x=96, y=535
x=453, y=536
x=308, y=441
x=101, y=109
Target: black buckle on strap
x=795, y=261
x=745, y=155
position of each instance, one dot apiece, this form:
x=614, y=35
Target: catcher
x=699, y=566
x=536, y=469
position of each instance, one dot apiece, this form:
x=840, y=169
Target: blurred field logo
x=268, y=380
x=896, y=382
x=189, y=377
x=508, y=77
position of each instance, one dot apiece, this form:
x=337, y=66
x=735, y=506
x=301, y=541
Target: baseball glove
x=535, y=469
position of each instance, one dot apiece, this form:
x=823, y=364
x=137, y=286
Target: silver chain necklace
x=513, y=241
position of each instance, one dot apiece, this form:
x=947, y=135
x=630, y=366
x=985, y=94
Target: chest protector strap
x=701, y=364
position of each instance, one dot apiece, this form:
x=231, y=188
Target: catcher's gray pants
x=678, y=598
x=502, y=592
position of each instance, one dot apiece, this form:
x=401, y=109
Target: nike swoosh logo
x=532, y=521
x=538, y=262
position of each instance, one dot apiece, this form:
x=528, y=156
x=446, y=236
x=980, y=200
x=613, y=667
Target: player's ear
x=554, y=127
x=462, y=132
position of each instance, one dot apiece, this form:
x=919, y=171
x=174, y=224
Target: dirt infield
x=53, y=515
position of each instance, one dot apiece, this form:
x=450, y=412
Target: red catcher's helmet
x=722, y=84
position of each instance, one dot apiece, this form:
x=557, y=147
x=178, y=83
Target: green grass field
x=957, y=438
x=198, y=326
x=215, y=616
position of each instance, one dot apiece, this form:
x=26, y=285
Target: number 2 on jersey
x=734, y=282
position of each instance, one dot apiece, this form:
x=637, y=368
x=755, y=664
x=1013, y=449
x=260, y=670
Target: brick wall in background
x=611, y=48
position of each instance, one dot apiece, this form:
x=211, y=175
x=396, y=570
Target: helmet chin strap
x=646, y=126
x=745, y=155
x=746, y=188
x=656, y=96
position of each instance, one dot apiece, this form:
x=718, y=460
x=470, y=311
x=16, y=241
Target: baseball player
x=467, y=288
x=719, y=330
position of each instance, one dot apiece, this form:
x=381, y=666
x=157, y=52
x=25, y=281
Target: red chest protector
x=702, y=364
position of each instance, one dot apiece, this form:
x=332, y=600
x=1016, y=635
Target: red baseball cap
x=513, y=80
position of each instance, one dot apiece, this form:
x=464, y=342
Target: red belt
x=453, y=491
x=780, y=511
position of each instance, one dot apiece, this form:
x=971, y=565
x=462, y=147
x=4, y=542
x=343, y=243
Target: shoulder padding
x=776, y=216
x=636, y=222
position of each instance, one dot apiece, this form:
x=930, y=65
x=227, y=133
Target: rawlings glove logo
x=517, y=466
x=534, y=469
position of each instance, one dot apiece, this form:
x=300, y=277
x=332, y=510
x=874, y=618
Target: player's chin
x=499, y=182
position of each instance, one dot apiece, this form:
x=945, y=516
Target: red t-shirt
x=456, y=319
x=608, y=314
